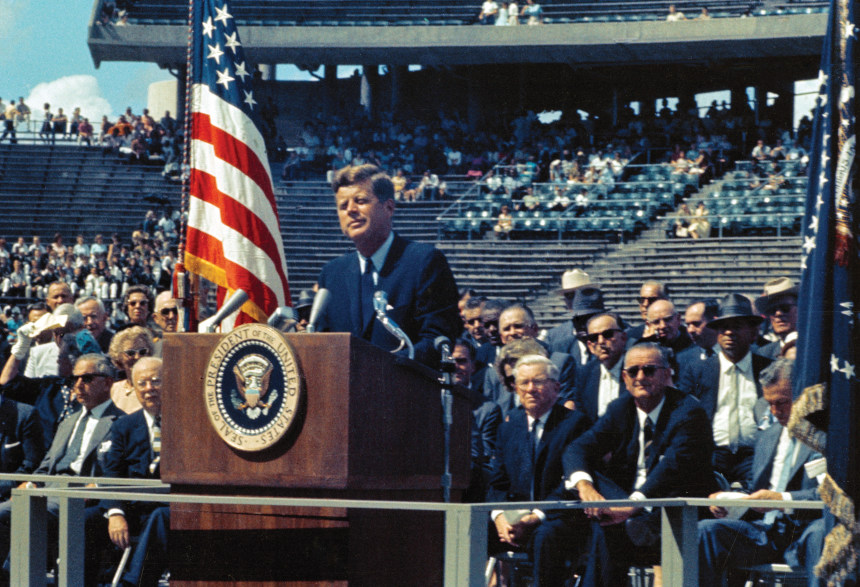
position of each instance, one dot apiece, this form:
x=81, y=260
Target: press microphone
x=232, y=304
x=443, y=345
x=380, y=306
x=283, y=318
x=321, y=300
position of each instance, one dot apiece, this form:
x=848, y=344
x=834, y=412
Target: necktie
x=74, y=448
x=367, y=290
x=648, y=434
x=734, y=409
x=533, y=443
x=781, y=485
x=156, y=445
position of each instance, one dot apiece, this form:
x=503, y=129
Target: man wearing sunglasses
x=77, y=448
x=653, y=442
x=779, y=304
x=650, y=292
x=599, y=382
x=728, y=386
x=166, y=315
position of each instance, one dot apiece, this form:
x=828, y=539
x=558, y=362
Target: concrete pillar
x=267, y=71
x=398, y=75
x=329, y=90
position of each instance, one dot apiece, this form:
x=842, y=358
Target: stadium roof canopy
x=766, y=39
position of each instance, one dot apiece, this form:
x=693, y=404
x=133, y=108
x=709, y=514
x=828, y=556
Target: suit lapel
x=352, y=284
x=763, y=458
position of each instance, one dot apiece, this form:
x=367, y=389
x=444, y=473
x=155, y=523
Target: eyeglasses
x=783, y=308
x=154, y=381
x=647, y=370
x=651, y=300
x=86, y=377
x=168, y=311
x=136, y=353
x=606, y=334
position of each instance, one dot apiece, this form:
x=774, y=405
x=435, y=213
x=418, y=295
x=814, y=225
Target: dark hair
x=380, y=183
x=619, y=321
x=666, y=354
x=526, y=310
x=466, y=344
x=712, y=308
x=495, y=304
x=139, y=289
x=475, y=302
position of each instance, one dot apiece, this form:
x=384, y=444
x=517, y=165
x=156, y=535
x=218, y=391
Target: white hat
x=573, y=280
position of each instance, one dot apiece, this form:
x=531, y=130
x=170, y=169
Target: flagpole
x=184, y=286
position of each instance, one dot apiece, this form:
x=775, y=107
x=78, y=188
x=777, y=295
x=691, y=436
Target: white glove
x=25, y=340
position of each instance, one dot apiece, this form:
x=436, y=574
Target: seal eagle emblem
x=253, y=387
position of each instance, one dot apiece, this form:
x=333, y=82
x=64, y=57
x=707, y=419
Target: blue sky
x=46, y=42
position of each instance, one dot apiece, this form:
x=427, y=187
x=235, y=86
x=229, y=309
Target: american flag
x=828, y=412
x=233, y=236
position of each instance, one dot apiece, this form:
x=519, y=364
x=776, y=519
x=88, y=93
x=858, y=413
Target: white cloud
x=68, y=93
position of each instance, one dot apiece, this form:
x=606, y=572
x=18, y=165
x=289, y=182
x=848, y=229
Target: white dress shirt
x=727, y=401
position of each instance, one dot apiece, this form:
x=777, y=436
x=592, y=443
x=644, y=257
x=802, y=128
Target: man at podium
x=422, y=295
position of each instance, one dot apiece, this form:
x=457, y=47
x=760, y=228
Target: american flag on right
x=827, y=414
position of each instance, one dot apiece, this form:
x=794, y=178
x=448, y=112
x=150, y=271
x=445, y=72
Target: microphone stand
x=446, y=379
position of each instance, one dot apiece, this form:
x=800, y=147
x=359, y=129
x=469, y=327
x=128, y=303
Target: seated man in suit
x=80, y=443
x=517, y=322
x=650, y=292
x=664, y=322
x=135, y=452
x=653, y=442
x=22, y=444
x=528, y=467
x=696, y=319
x=422, y=294
x=778, y=474
x=728, y=386
x=489, y=350
x=600, y=382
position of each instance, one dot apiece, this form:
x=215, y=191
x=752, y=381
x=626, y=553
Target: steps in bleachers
x=75, y=190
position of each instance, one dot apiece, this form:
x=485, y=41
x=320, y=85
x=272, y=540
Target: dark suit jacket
x=421, y=292
x=771, y=350
x=702, y=379
x=508, y=482
x=22, y=446
x=92, y=466
x=486, y=419
x=130, y=452
x=561, y=339
x=681, y=463
x=585, y=394
x=799, y=486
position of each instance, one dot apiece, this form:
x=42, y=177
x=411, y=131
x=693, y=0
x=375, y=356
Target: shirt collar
x=743, y=366
x=541, y=421
x=150, y=419
x=378, y=258
x=653, y=414
x=615, y=371
x=99, y=410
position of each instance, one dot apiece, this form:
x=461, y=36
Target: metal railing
x=465, y=552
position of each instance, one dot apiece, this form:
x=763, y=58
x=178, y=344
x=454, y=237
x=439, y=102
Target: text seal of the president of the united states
x=253, y=387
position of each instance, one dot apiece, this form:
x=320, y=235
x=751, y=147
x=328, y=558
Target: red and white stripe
x=234, y=236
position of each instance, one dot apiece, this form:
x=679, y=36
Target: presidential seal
x=253, y=387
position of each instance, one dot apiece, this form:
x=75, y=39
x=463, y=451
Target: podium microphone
x=321, y=300
x=283, y=318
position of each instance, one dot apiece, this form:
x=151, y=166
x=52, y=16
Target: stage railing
x=465, y=525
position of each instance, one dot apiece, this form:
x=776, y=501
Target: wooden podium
x=370, y=428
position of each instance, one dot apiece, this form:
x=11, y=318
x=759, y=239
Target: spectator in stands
x=532, y=12
x=650, y=292
x=779, y=304
x=98, y=248
x=682, y=221
x=599, y=382
x=728, y=386
x=23, y=111
x=428, y=187
x=489, y=12
x=17, y=283
x=583, y=299
x=167, y=122
x=9, y=122
x=674, y=14
x=60, y=123
x=700, y=226
x=46, y=132
x=760, y=152
x=519, y=476
x=704, y=14
x=95, y=320
x=126, y=348
x=696, y=319
x=490, y=312
x=502, y=15
x=513, y=14
x=137, y=304
x=75, y=121
x=504, y=223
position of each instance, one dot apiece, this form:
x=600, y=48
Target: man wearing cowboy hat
x=728, y=386
x=779, y=304
x=584, y=299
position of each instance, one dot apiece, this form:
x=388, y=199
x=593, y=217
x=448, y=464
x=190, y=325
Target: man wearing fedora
x=779, y=304
x=728, y=386
x=583, y=299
